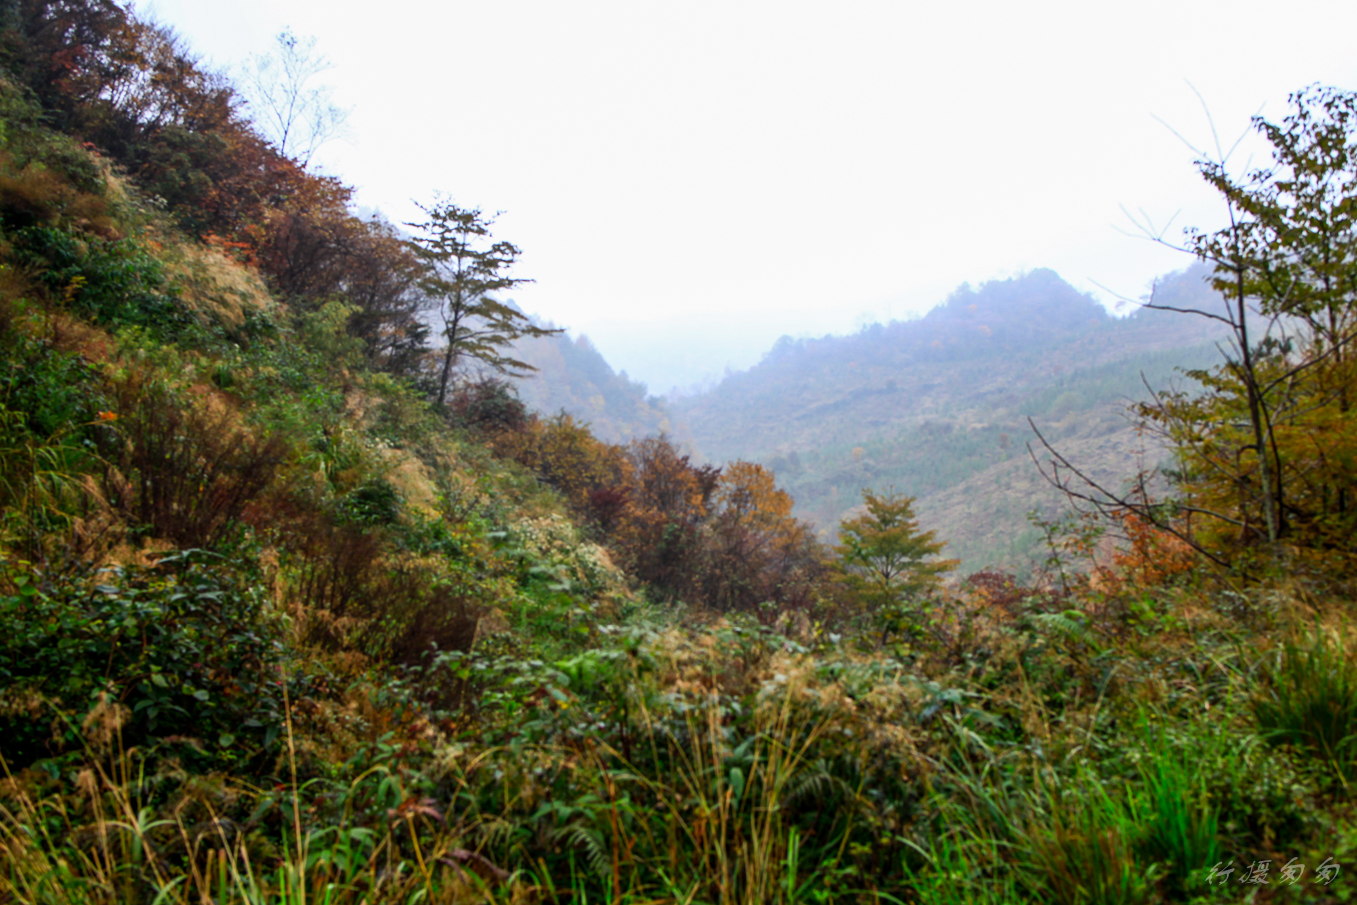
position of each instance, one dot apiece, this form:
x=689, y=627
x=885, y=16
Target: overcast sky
x=689, y=181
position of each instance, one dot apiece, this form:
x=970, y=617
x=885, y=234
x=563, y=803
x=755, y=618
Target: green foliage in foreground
x=994, y=760
x=1308, y=700
x=400, y=673
x=188, y=651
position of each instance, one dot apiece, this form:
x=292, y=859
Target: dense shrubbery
x=186, y=656
x=719, y=538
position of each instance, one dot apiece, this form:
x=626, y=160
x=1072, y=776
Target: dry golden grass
x=212, y=283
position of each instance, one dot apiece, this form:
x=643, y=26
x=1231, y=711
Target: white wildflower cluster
x=554, y=542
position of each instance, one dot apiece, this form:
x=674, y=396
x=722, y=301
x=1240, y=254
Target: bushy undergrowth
x=649, y=761
x=187, y=656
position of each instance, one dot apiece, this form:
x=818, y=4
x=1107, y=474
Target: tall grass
x=1308, y=700
x=636, y=783
x=106, y=846
x=1080, y=850
x=699, y=811
x=120, y=864
x=1178, y=823
x=961, y=868
x=705, y=815
x=1067, y=839
x=732, y=834
x=1078, y=832
x=40, y=486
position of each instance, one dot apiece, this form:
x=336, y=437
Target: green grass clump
x=1178, y=823
x=1081, y=852
x=1308, y=700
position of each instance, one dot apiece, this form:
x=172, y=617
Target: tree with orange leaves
x=757, y=552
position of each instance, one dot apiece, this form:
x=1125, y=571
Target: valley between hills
x=302, y=601
x=935, y=407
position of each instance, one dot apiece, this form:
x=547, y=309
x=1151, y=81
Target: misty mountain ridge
x=573, y=378
x=1037, y=310
x=1038, y=307
x=929, y=404
x=935, y=406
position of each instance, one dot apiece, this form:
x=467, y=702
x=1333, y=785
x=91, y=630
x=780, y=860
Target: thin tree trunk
x=1260, y=445
x=443, y=378
x=451, y=322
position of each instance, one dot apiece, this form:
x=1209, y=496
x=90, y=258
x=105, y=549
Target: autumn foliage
x=721, y=538
x=273, y=622
x=1149, y=557
x=131, y=89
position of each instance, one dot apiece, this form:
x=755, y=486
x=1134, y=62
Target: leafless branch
x=1214, y=317
x=1107, y=503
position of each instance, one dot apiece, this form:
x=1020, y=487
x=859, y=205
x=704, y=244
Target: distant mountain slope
x=573, y=377
x=938, y=403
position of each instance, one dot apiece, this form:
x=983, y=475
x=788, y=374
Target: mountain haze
x=572, y=377
x=937, y=407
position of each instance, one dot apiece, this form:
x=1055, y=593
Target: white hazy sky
x=691, y=180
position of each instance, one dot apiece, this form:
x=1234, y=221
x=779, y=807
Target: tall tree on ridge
x=464, y=274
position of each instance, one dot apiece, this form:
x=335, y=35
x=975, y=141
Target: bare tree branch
x=1106, y=503
x=299, y=118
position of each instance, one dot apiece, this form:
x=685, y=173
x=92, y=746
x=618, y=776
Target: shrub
x=108, y=281
x=185, y=471
x=489, y=406
x=48, y=404
x=375, y=502
x=187, y=649
x=54, y=390
x=331, y=565
x=34, y=194
x=357, y=590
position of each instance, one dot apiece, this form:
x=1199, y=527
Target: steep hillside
x=572, y=377
x=246, y=546
x=928, y=404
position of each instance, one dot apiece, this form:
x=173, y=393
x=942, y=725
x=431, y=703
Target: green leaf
x=736, y=782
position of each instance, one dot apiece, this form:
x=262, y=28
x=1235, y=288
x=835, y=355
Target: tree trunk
x=1261, y=428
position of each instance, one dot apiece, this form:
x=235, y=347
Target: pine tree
x=463, y=277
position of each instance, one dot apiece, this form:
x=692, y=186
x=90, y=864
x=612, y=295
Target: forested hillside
x=299, y=602
x=928, y=404
x=572, y=377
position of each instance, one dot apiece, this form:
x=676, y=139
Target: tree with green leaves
x=1291, y=253
x=887, y=562
x=1265, y=449
x=465, y=271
